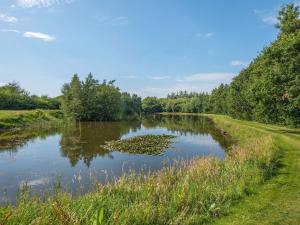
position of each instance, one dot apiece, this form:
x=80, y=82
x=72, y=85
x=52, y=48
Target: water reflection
x=11, y=141
x=36, y=156
x=187, y=125
x=83, y=141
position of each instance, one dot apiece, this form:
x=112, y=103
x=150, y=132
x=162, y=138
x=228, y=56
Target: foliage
x=146, y=144
x=13, y=97
x=288, y=17
x=131, y=106
x=90, y=100
x=269, y=89
x=151, y=105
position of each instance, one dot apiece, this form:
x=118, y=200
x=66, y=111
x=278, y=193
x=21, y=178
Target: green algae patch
x=145, y=144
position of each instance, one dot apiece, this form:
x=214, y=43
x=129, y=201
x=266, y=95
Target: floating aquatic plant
x=145, y=144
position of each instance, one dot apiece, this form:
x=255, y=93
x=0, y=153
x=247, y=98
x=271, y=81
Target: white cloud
x=8, y=19
x=41, y=3
x=40, y=36
x=10, y=30
x=158, y=77
x=2, y=84
x=207, y=77
x=238, y=63
x=201, y=82
x=204, y=35
x=272, y=20
x=267, y=16
x=119, y=20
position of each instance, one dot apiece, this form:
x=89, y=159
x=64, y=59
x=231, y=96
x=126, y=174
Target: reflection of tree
x=83, y=141
x=188, y=124
x=13, y=140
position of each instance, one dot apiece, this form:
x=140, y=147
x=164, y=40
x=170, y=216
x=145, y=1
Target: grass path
x=278, y=200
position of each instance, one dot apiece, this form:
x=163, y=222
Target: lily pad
x=145, y=144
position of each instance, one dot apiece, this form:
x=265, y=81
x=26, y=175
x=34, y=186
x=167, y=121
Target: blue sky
x=151, y=47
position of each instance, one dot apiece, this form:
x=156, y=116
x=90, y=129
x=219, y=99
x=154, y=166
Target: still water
x=74, y=156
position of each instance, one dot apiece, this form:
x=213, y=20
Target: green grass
x=278, y=200
x=145, y=144
x=23, y=118
x=242, y=189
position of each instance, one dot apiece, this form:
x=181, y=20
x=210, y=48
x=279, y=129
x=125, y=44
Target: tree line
x=13, y=97
x=268, y=90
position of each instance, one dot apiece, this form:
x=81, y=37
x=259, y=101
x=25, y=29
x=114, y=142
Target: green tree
x=72, y=104
x=151, y=105
x=91, y=101
x=131, y=106
x=288, y=18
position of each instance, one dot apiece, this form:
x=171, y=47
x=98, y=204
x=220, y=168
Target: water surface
x=74, y=156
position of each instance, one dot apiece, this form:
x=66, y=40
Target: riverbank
x=24, y=118
x=197, y=193
x=278, y=200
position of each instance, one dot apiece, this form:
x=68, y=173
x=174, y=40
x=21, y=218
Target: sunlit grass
x=12, y=119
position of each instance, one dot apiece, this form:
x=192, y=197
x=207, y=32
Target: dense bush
x=151, y=105
x=13, y=97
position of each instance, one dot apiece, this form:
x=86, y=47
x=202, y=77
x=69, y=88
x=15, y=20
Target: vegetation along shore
x=200, y=192
x=254, y=181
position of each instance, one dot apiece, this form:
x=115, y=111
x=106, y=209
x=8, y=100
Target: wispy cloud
x=10, y=30
x=2, y=84
x=118, y=20
x=40, y=36
x=41, y=3
x=200, y=82
x=8, y=19
x=272, y=20
x=207, y=77
x=204, y=35
x=238, y=63
x=267, y=16
x=158, y=77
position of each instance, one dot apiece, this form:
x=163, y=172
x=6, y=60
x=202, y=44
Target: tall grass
x=194, y=193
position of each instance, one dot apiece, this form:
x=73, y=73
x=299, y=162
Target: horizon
x=191, y=48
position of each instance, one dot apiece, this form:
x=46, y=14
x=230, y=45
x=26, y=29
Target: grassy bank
x=200, y=192
x=23, y=118
x=278, y=200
